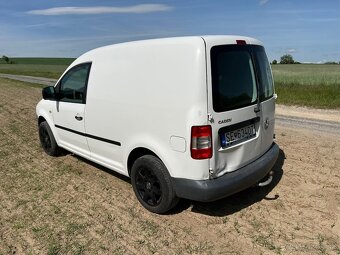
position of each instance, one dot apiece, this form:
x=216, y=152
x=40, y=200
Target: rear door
x=267, y=98
x=234, y=104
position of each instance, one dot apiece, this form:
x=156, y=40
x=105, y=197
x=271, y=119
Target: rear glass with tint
x=235, y=72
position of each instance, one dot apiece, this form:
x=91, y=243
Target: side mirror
x=48, y=93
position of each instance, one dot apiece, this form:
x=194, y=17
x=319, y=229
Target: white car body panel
x=230, y=159
x=64, y=115
x=148, y=94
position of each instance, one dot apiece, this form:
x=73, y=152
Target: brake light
x=201, y=142
x=241, y=42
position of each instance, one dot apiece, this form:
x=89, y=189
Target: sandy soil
x=67, y=205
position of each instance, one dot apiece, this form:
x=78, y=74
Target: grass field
x=41, y=61
x=66, y=205
x=308, y=85
x=48, y=71
x=306, y=74
x=41, y=67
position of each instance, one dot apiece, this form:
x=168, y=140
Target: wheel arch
x=41, y=119
x=43, y=115
x=137, y=153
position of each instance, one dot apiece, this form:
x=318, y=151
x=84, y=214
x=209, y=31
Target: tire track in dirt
x=30, y=79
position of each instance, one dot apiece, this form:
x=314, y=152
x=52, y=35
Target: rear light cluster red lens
x=201, y=142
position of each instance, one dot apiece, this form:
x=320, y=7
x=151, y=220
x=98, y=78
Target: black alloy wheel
x=148, y=187
x=47, y=140
x=152, y=184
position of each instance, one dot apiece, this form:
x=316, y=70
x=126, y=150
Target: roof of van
x=229, y=39
x=209, y=40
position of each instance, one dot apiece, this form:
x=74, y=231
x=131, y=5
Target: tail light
x=201, y=142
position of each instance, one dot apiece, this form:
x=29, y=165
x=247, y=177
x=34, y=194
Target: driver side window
x=72, y=87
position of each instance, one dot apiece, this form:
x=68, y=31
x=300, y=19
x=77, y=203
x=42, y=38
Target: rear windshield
x=240, y=74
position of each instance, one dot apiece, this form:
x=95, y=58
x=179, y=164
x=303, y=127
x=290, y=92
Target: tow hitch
x=266, y=180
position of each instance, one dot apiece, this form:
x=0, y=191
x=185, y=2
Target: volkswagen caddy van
x=185, y=117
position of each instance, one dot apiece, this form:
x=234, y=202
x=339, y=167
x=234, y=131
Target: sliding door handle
x=77, y=117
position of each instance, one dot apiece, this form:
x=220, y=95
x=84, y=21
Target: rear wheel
x=151, y=183
x=47, y=140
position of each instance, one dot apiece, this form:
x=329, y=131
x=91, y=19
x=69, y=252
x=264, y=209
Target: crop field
x=41, y=67
x=306, y=74
x=302, y=84
x=41, y=61
x=308, y=85
x=67, y=205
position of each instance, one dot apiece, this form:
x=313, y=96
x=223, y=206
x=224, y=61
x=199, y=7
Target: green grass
x=48, y=71
x=309, y=85
x=316, y=96
x=315, y=86
x=41, y=61
x=40, y=67
x=306, y=74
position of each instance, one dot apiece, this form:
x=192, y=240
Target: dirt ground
x=304, y=112
x=67, y=205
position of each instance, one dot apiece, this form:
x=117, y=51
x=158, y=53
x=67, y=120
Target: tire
x=151, y=183
x=47, y=140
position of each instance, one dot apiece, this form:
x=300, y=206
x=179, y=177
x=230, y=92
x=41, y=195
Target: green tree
x=274, y=62
x=287, y=59
x=6, y=59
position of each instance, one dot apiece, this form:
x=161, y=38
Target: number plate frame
x=237, y=133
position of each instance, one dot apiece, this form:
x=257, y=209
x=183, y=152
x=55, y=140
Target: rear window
x=237, y=73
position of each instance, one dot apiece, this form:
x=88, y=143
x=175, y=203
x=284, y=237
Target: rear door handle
x=77, y=117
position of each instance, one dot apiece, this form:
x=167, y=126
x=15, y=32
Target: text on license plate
x=238, y=135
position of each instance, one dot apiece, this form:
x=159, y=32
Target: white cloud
x=291, y=50
x=141, y=8
x=263, y=2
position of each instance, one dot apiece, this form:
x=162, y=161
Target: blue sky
x=307, y=29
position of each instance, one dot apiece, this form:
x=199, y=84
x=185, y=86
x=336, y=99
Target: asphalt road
x=312, y=124
x=281, y=120
x=30, y=79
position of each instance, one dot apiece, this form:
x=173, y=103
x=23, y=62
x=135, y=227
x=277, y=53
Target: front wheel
x=151, y=183
x=47, y=140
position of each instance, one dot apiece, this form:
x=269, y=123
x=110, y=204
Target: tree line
x=7, y=60
x=288, y=59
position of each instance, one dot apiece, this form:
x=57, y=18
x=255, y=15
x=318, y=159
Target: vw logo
x=266, y=123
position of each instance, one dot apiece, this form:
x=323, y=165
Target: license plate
x=238, y=135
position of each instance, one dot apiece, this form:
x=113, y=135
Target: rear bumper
x=228, y=184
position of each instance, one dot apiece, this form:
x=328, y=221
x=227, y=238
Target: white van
x=186, y=117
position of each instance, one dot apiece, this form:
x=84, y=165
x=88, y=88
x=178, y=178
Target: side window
x=266, y=84
x=73, y=85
